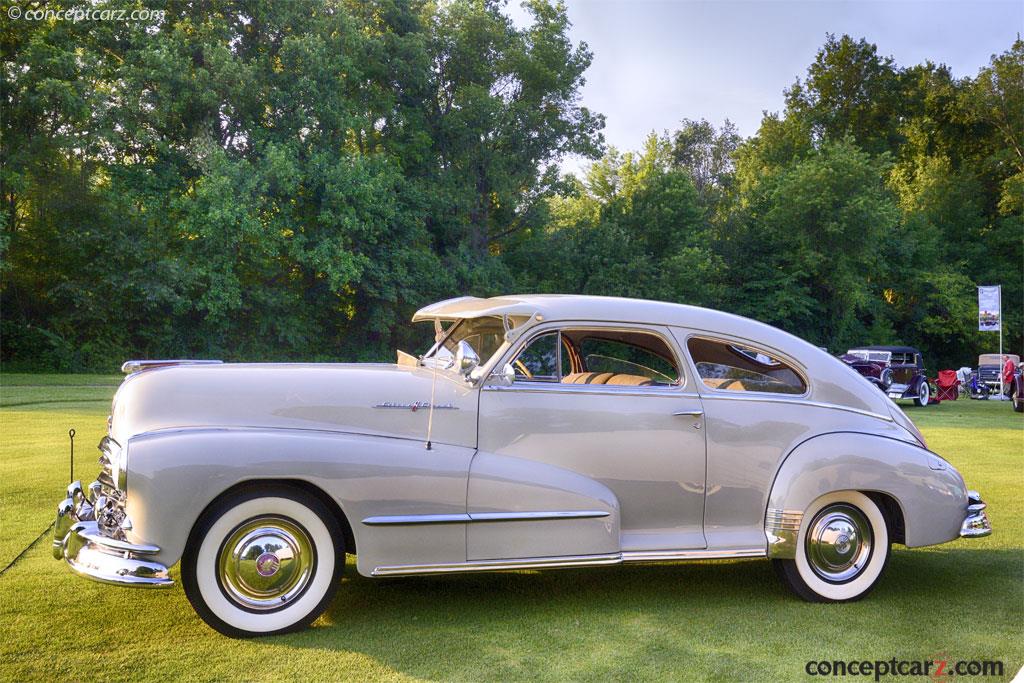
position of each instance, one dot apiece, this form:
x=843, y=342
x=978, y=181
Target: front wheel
x=1018, y=402
x=842, y=548
x=263, y=561
x=923, y=394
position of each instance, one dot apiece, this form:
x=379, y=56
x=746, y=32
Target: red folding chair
x=948, y=385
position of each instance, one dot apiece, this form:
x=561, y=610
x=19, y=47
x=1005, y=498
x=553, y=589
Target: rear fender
x=929, y=492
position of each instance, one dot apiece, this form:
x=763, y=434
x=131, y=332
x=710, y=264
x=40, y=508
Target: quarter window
x=726, y=366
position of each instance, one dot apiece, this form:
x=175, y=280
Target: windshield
x=485, y=335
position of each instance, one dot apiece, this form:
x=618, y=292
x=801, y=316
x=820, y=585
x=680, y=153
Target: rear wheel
x=842, y=548
x=923, y=394
x=263, y=561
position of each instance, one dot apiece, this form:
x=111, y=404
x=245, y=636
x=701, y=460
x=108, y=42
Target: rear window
x=727, y=366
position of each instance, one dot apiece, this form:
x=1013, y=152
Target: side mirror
x=466, y=359
x=505, y=377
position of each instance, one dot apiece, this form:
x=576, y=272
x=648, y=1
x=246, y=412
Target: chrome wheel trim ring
x=266, y=563
x=839, y=543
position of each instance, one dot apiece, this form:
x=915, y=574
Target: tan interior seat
x=622, y=379
x=586, y=378
x=618, y=379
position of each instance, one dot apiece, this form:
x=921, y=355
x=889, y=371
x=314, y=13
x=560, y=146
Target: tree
x=708, y=156
x=850, y=91
x=279, y=180
x=814, y=237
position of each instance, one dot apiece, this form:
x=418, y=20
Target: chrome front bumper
x=976, y=522
x=78, y=540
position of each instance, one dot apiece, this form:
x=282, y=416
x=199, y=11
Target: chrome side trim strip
x=599, y=389
x=554, y=514
x=797, y=401
x=483, y=517
x=593, y=389
x=416, y=519
x=569, y=561
x=689, y=555
x=500, y=565
x=782, y=528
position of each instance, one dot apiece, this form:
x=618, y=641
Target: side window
x=733, y=367
x=624, y=358
x=619, y=358
x=589, y=356
x=538, y=362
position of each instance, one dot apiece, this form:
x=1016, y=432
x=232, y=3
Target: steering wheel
x=522, y=368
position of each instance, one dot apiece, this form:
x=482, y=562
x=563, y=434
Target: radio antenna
x=430, y=408
x=438, y=335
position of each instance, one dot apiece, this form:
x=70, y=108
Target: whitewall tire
x=262, y=561
x=924, y=394
x=842, y=549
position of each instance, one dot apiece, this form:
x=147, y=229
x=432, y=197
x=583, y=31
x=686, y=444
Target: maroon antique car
x=896, y=370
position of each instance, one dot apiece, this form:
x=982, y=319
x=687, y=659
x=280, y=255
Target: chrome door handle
x=688, y=413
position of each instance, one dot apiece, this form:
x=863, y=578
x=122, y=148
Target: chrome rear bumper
x=976, y=522
x=78, y=540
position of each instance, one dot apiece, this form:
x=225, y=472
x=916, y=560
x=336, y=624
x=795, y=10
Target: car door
x=588, y=425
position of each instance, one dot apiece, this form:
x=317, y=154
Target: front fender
x=175, y=474
x=915, y=385
x=930, y=492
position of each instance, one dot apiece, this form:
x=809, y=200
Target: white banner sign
x=988, y=309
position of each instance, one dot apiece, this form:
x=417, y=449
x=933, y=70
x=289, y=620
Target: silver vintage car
x=537, y=432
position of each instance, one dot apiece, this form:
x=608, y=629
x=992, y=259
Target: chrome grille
x=109, y=501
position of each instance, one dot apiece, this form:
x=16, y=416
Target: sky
x=659, y=61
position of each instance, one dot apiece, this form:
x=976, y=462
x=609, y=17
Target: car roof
x=833, y=380
x=579, y=307
x=891, y=349
x=996, y=358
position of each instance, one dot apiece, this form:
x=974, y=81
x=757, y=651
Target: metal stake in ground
x=71, y=435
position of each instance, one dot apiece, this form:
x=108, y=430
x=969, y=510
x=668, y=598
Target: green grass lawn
x=730, y=620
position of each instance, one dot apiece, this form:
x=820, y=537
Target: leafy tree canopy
x=291, y=180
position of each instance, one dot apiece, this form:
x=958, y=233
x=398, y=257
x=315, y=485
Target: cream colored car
x=539, y=431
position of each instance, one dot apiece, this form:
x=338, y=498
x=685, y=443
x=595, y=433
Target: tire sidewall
x=920, y=400
x=200, y=561
x=864, y=581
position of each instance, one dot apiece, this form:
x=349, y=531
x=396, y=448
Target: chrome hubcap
x=923, y=392
x=839, y=543
x=266, y=563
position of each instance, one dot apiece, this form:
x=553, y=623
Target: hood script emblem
x=414, y=406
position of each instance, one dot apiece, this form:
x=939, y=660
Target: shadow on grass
x=726, y=614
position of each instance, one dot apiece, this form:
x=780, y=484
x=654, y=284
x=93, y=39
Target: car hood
x=375, y=399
